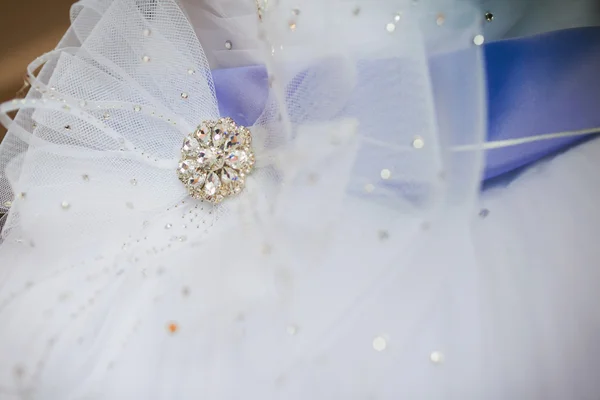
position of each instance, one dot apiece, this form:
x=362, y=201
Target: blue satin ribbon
x=536, y=85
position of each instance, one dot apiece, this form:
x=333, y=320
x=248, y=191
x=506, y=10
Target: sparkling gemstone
x=212, y=185
x=234, y=140
x=203, y=133
x=219, y=134
x=237, y=159
x=187, y=166
x=191, y=144
x=229, y=176
x=196, y=180
x=219, y=162
x=206, y=159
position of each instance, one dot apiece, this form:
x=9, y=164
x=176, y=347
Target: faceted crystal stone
x=229, y=176
x=190, y=144
x=212, y=184
x=233, y=141
x=237, y=159
x=196, y=180
x=203, y=133
x=219, y=134
x=187, y=166
x=206, y=159
x=219, y=162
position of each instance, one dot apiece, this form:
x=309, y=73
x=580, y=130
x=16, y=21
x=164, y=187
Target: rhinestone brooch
x=215, y=159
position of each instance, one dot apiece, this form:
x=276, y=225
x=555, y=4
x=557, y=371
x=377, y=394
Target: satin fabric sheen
x=536, y=85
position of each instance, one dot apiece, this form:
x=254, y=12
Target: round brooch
x=215, y=159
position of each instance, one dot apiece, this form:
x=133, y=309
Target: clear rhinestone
x=203, y=133
x=219, y=162
x=190, y=144
x=229, y=176
x=234, y=140
x=206, y=159
x=212, y=185
x=187, y=166
x=196, y=180
x=219, y=134
x=237, y=159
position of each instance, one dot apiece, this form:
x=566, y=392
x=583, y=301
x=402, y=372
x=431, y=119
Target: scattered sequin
x=85, y=177
x=228, y=45
x=441, y=18
x=137, y=108
x=379, y=343
x=418, y=142
x=8, y=204
x=134, y=182
x=168, y=226
x=146, y=59
x=292, y=26
x=478, y=40
x=191, y=71
x=65, y=205
x=369, y=188
x=397, y=17
x=386, y=174
x=436, y=357
x=147, y=32
x=484, y=212
x=292, y=330
x=391, y=27
x=184, y=95
x=489, y=17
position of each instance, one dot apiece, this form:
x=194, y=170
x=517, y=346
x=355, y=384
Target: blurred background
x=28, y=28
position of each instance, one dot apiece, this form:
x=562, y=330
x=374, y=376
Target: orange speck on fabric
x=172, y=327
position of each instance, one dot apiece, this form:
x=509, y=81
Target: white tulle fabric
x=115, y=285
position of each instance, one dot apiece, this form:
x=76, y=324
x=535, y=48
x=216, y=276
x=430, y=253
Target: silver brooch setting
x=215, y=159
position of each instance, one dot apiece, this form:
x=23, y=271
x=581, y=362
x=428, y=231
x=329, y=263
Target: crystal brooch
x=215, y=159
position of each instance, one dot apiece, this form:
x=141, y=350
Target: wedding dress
x=353, y=254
